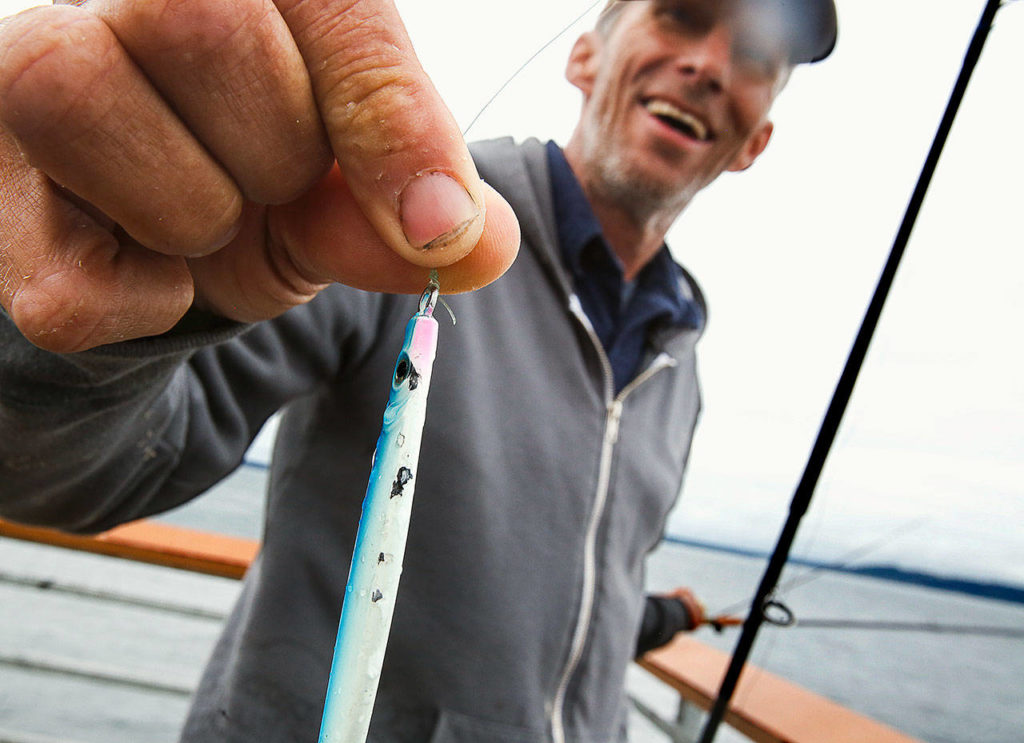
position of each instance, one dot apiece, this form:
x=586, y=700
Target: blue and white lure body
x=380, y=543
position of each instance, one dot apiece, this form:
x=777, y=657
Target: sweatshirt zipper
x=613, y=417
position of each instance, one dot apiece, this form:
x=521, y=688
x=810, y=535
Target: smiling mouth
x=682, y=121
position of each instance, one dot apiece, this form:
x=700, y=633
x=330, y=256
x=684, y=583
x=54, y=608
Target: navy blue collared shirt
x=622, y=313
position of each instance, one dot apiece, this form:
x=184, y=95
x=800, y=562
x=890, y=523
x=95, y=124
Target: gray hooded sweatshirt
x=539, y=491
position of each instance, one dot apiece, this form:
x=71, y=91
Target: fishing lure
x=383, y=527
x=380, y=542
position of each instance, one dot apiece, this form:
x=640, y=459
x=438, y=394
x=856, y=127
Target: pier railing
x=768, y=709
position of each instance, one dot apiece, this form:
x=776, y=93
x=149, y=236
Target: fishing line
x=946, y=628
x=844, y=387
x=845, y=561
x=526, y=64
x=779, y=615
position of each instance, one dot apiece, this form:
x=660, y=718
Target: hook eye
x=429, y=296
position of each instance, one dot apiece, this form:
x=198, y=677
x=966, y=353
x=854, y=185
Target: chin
x=640, y=191
x=634, y=179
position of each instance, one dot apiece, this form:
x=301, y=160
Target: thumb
x=398, y=147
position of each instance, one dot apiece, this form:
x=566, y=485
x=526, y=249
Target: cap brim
x=818, y=30
x=811, y=25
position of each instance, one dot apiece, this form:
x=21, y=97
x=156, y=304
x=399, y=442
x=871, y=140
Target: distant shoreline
x=982, y=589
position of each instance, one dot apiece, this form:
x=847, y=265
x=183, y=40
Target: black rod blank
x=844, y=388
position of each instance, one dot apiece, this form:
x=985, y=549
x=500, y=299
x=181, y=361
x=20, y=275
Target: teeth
x=684, y=120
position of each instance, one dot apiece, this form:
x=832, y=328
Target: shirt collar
x=577, y=224
x=578, y=230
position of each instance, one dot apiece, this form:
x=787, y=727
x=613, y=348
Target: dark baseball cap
x=810, y=26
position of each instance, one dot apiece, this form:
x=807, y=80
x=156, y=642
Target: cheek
x=750, y=111
x=746, y=127
x=613, y=86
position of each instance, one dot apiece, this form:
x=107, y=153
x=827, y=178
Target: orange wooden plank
x=765, y=708
x=152, y=542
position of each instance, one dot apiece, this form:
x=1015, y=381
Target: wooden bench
x=154, y=543
x=766, y=708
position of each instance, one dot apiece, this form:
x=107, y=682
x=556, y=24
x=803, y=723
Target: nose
x=707, y=59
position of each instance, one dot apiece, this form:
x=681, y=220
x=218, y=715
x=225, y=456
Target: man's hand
x=157, y=153
x=694, y=608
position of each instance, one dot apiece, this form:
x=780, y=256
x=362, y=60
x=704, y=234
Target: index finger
x=397, y=145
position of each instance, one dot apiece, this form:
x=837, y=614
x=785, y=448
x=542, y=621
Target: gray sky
x=788, y=254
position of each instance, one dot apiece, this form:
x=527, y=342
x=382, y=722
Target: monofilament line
x=524, y=65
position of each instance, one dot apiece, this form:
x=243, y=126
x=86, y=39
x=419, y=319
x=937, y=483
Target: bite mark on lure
x=403, y=477
x=376, y=596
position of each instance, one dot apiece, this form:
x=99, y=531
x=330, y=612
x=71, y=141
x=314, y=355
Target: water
x=939, y=688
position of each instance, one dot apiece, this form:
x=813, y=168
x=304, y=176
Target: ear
x=581, y=69
x=752, y=148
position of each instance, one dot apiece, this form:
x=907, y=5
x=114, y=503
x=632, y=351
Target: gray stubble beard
x=611, y=179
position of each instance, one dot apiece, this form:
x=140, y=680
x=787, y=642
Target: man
x=561, y=407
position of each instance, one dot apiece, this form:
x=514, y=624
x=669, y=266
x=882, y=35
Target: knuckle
x=48, y=288
x=208, y=220
x=51, y=59
x=43, y=49
x=263, y=125
x=291, y=283
x=285, y=183
x=366, y=109
x=371, y=94
x=188, y=28
x=90, y=293
x=362, y=66
x=290, y=168
x=252, y=286
x=51, y=317
x=367, y=85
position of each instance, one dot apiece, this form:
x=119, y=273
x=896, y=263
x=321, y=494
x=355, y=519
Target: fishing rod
x=779, y=615
x=844, y=388
x=844, y=563
x=941, y=628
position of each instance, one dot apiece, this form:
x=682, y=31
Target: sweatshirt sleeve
x=98, y=438
x=663, y=618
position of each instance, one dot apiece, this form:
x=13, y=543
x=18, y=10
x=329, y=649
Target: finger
x=303, y=253
x=86, y=115
x=397, y=144
x=232, y=72
x=252, y=278
x=65, y=281
x=312, y=228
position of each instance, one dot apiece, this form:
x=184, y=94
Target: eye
x=680, y=15
x=689, y=17
x=758, y=58
x=405, y=373
x=402, y=370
